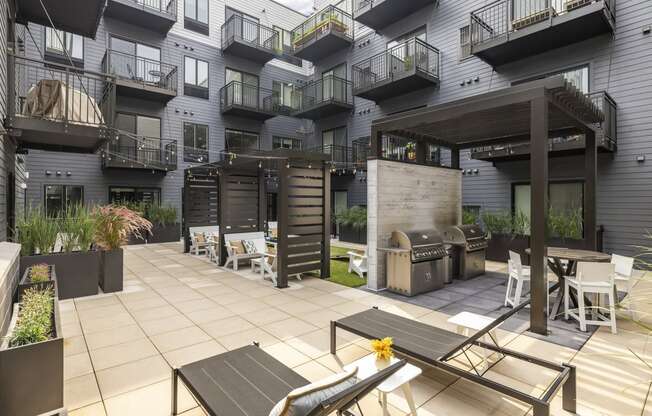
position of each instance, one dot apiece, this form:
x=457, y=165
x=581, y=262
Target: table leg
x=558, y=270
x=174, y=391
x=384, y=403
x=407, y=392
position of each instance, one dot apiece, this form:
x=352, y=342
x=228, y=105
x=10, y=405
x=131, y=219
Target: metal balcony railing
x=320, y=24
x=142, y=71
x=609, y=108
x=168, y=7
x=411, y=55
x=61, y=93
x=239, y=94
x=142, y=153
x=506, y=16
x=344, y=157
x=329, y=88
x=250, y=31
x=364, y=5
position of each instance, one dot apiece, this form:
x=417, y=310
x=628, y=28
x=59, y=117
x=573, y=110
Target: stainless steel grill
x=417, y=262
x=469, y=250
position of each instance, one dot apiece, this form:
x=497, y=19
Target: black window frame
x=136, y=189
x=194, y=90
x=239, y=150
x=194, y=24
x=194, y=154
x=465, y=47
x=62, y=58
x=561, y=71
x=294, y=140
x=65, y=194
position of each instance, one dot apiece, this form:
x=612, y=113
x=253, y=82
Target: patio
x=177, y=308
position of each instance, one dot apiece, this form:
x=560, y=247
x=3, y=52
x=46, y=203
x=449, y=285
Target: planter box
x=32, y=375
x=25, y=284
x=77, y=272
x=111, y=273
x=351, y=235
x=500, y=245
x=133, y=240
x=165, y=234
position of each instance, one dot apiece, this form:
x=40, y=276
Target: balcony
x=248, y=39
x=156, y=15
x=250, y=101
x=323, y=98
x=378, y=14
x=75, y=16
x=344, y=159
x=508, y=30
x=132, y=152
x=407, y=67
x=141, y=77
x=323, y=34
x=606, y=138
x=58, y=107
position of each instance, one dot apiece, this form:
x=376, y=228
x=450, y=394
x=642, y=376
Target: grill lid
x=463, y=234
x=424, y=245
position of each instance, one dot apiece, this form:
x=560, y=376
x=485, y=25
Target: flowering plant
x=383, y=348
x=115, y=223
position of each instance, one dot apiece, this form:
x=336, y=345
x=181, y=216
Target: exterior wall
x=9, y=265
x=618, y=65
x=407, y=197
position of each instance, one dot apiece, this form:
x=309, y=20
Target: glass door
x=340, y=204
x=244, y=91
x=333, y=87
x=148, y=64
x=149, y=130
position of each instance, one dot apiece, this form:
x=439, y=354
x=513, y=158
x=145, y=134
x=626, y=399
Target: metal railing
x=168, y=7
x=250, y=31
x=141, y=152
x=365, y=5
x=321, y=24
x=344, y=157
x=141, y=70
x=239, y=94
x=609, y=108
x=327, y=89
x=50, y=91
x=405, y=150
x=506, y=16
x=410, y=56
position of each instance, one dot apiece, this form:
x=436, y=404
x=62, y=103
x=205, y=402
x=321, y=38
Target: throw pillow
x=200, y=238
x=236, y=246
x=250, y=247
x=301, y=401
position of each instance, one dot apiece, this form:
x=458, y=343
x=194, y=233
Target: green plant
x=34, y=318
x=521, y=223
x=77, y=229
x=113, y=224
x=354, y=217
x=469, y=217
x=565, y=224
x=497, y=222
x=39, y=273
x=37, y=232
x=161, y=215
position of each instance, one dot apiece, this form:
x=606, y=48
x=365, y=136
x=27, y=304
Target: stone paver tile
x=153, y=400
x=229, y=298
x=248, y=337
x=74, y=345
x=76, y=365
x=71, y=330
x=423, y=389
x=349, y=308
x=321, y=318
x=100, y=312
x=262, y=292
x=122, y=353
x=279, y=299
x=327, y=300
x=141, y=304
x=197, y=411
x=299, y=308
x=179, y=338
x=194, y=305
x=95, y=409
x=80, y=391
x=155, y=313
x=287, y=355
x=184, y=296
x=159, y=326
x=115, y=336
x=97, y=301
x=313, y=371
x=289, y=328
x=197, y=352
x=265, y=316
x=118, y=320
x=214, y=313
x=345, y=355
x=132, y=376
x=251, y=305
x=226, y=326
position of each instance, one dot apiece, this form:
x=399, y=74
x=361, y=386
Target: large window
x=286, y=143
x=579, y=77
x=563, y=197
x=196, y=16
x=195, y=142
x=239, y=141
x=59, y=45
x=283, y=91
x=124, y=195
x=465, y=43
x=135, y=61
x=284, y=47
x=147, y=146
x=58, y=198
x=244, y=90
x=196, y=77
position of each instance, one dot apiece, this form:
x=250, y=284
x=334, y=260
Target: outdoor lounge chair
x=258, y=239
x=358, y=263
x=249, y=382
x=438, y=347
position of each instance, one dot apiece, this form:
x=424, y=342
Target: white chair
x=200, y=238
x=269, y=269
x=517, y=276
x=234, y=257
x=358, y=263
x=592, y=278
x=624, y=266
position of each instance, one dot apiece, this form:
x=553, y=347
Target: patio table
x=555, y=256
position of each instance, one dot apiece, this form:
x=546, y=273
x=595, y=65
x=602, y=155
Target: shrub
x=77, y=228
x=354, y=217
x=497, y=222
x=565, y=224
x=469, y=217
x=37, y=233
x=39, y=273
x=160, y=215
x=113, y=224
x=34, y=318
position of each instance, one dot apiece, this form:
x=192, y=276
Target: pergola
x=232, y=194
x=534, y=111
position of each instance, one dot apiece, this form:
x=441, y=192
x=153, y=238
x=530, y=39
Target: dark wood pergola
x=534, y=112
x=232, y=193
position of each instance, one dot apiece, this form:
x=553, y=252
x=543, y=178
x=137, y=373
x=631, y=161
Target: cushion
x=249, y=246
x=271, y=250
x=200, y=238
x=301, y=401
x=237, y=247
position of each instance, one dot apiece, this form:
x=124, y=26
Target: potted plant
x=31, y=357
x=353, y=225
x=165, y=227
x=506, y=232
x=565, y=228
x=113, y=224
x=77, y=265
x=40, y=276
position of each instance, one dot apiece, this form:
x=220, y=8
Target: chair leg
x=630, y=296
x=581, y=310
x=509, y=289
x=349, y=265
x=517, y=293
x=235, y=265
x=566, y=301
x=612, y=311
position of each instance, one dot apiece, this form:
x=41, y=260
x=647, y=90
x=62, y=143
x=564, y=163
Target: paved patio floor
x=178, y=308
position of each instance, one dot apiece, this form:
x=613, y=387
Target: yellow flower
x=383, y=348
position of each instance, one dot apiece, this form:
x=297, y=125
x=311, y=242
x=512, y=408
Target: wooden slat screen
x=200, y=202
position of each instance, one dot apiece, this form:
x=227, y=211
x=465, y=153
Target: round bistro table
x=556, y=255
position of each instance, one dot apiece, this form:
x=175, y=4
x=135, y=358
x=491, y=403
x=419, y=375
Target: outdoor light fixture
x=68, y=173
x=647, y=30
x=58, y=173
x=260, y=165
x=47, y=172
x=640, y=158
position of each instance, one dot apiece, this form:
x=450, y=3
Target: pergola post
x=262, y=201
x=283, y=216
x=224, y=209
x=326, y=239
x=590, y=186
x=455, y=158
x=376, y=143
x=539, y=214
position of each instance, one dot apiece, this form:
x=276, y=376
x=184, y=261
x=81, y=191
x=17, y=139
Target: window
x=419, y=33
x=579, y=77
x=195, y=142
x=334, y=143
x=284, y=47
x=286, y=143
x=465, y=43
x=333, y=86
x=59, y=45
x=196, y=77
x=239, y=141
x=58, y=198
x=147, y=148
x=196, y=16
x=242, y=89
x=563, y=197
x=124, y=195
x=135, y=61
x=283, y=93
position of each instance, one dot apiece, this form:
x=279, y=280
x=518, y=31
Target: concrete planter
x=26, y=284
x=500, y=245
x=32, y=375
x=351, y=235
x=111, y=273
x=77, y=272
x=165, y=233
